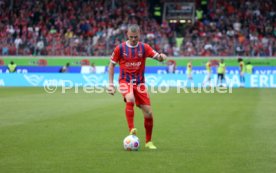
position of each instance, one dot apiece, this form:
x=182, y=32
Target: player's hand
x=111, y=90
x=162, y=57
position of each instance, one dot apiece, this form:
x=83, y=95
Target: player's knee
x=148, y=113
x=130, y=98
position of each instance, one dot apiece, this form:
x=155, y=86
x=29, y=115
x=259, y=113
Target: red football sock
x=148, y=123
x=130, y=114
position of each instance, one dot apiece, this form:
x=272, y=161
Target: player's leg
x=129, y=111
x=242, y=79
x=127, y=92
x=190, y=77
x=143, y=102
x=223, y=80
x=148, y=123
x=207, y=80
x=218, y=79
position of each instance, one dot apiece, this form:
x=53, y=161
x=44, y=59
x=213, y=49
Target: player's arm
x=155, y=55
x=113, y=60
x=111, y=89
x=160, y=57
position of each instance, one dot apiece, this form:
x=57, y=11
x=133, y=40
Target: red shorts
x=139, y=91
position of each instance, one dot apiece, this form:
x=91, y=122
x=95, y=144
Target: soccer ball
x=131, y=143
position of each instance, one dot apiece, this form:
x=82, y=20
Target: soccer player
x=12, y=67
x=249, y=67
x=221, y=72
x=189, y=70
x=242, y=71
x=208, y=73
x=131, y=57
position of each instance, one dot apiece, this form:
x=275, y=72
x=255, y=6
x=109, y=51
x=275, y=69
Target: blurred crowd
x=240, y=27
x=94, y=28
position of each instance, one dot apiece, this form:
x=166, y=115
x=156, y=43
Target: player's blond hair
x=133, y=28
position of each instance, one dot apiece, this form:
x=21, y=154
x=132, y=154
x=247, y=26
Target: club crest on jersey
x=140, y=55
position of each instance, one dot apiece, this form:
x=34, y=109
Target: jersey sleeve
x=150, y=52
x=115, y=55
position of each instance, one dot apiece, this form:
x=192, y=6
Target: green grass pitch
x=83, y=133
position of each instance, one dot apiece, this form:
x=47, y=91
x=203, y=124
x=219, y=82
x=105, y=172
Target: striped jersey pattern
x=131, y=60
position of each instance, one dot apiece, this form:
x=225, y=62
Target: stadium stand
x=93, y=28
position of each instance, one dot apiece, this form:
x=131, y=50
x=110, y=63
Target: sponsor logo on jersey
x=133, y=64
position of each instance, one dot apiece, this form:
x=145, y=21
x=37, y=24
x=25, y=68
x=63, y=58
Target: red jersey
x=131, y=60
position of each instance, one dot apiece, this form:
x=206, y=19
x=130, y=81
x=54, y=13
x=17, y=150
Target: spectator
x=226, y=28
x=93, y=68
x=171, y=66
x=18, y=42
x=65, y=69
x=39, y=47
